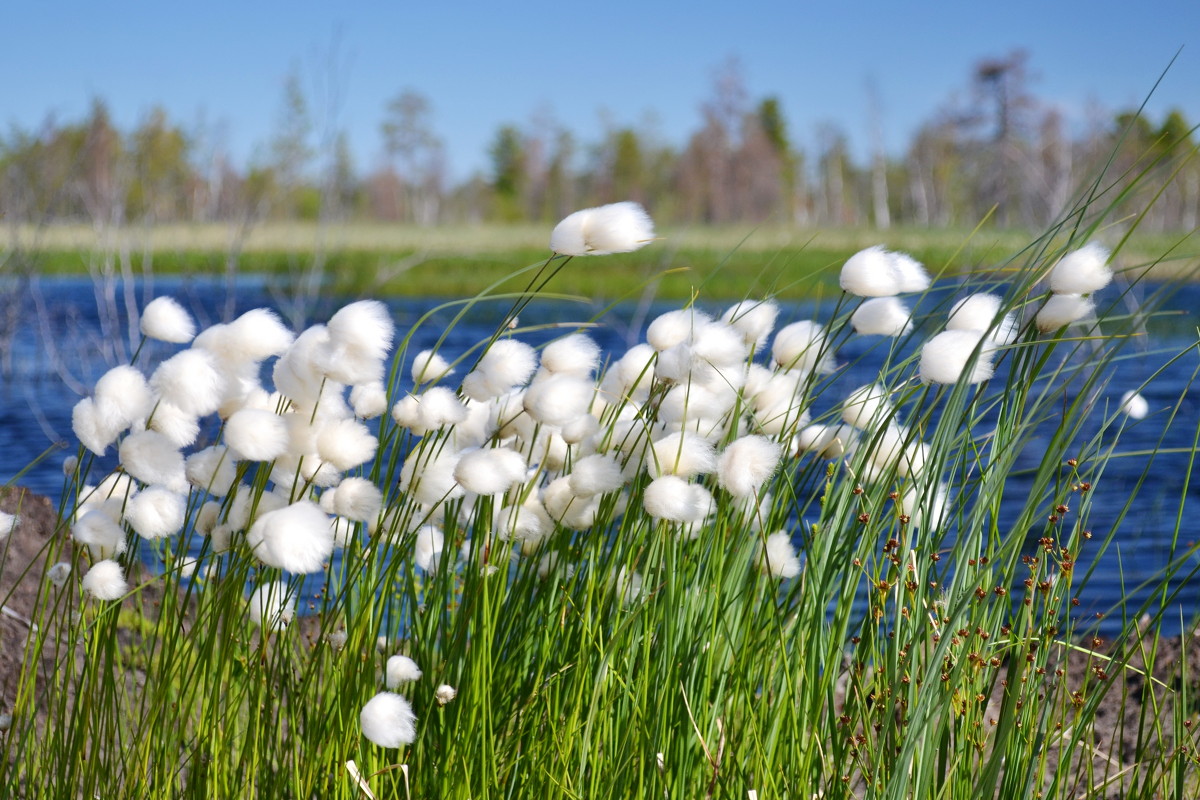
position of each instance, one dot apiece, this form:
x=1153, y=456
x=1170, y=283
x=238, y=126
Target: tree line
x=994, y=153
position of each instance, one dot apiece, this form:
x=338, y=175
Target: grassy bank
x=461, y=261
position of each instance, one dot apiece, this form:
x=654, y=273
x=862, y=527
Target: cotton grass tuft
x=947, y=358
x=614, y=228
x=271, y=606
x=105, y=581
x=388, y=720
x=400, y=669
x=1082, y=271
x=296, y=538
x=164, y=319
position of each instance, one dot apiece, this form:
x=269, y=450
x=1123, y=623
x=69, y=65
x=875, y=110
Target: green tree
x=507, y=153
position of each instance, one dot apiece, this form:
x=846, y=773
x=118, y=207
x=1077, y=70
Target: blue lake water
x=57, y=336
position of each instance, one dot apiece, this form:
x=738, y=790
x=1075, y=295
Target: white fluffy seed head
x=296, y=373
x=673, y=499
x=156, y=512
x=825, y=441
x=400, y=669
x=614, y=228
x=977, y=312
x=253, y=337
x=947, y=358
x=867, y=407
x=360, y=336
x=506, y=364
x=577, y=354
x=746, y=464
x=777, y=557
x=429, y=366
x=558, y=398
x=152, y=458
x=94, y=429
x=567, y=508
x=528, y=523
x=444, y=694
x=1063, y=309
x=754, y=319
x=682, y=454
x=191, y=381
x=271, y=606
x=1082, y=271
x=296, y=538
x=427, y=547
x=595, y=474
x=369, y=400
x=124, y=389
x=883, y=316
x=357, y=499
x=802, y=346
x=105, y=580
x=489, y=470
x=428, y=473
x=256, y=435
x=165, y=320
x=58, y=573
x=869, y=273
x=212, y=469
x=910, y=274
x=1134, y=405
x=181, y=428
x=97, y=529
x=675, y=327
x=388, y=720
x=8, y=524
x=346, y=444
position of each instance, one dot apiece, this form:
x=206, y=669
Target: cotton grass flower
x=429, y=474
x=191, y=381
x=777, y=557
x=296, y=538
x=1082, y=271
x=272, y=606
x=577, y=354
x=253, y=337
x=59, y=573
x=400, y=669
x=507, y=363
x=105, y=581
x=428, y=366
x=1063, y=309
x=867, y=407
x=947, y=358
x=444, y=694
x=152, y=458
x=978, y=312
x=884, y=316
x=156, y=512
x=672, y=498
x=369, y=400
x=595, y=474
x=165, y=320
x=213, y=469
x=675, y=328
x=346, y=444
x=256, y=435
x=746, y=464
x=357, y=499
x=427, y=547
x=558, y=398
x=683, y=454
x=614, y=228
x=124, y=392
x=1133, y=405
x=181, y=428
x=94, y=429
x=802, y=346
x=102, y=534
x=490, y=470
x=876, y=272
x=8, y=524
x=360, y=336
x=388, y=720
x=753, y=319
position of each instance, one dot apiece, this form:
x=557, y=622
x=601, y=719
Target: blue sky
x=484, y=64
